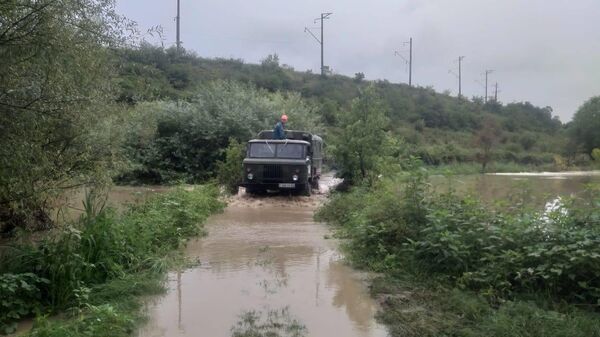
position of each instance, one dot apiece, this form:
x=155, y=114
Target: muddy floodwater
x=265, y=254
x=532, y=189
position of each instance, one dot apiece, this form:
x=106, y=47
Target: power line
x=324, y=16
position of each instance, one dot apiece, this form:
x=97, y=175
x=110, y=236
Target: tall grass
x=103, y=247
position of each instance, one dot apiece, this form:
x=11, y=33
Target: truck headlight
x=295, y=177
x=250, y=176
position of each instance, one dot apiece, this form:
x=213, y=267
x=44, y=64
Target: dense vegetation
x=183, y=140
x=456, y=267
x=75, y=267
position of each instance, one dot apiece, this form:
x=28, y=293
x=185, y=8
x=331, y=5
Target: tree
x=585, y=127
x=271, y=61
x=362, y=136
x=485, y=139
x=358, y=77
x=55, y=96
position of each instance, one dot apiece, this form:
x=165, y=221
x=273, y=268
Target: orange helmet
x=284, y=118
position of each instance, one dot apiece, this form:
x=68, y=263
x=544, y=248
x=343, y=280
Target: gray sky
x=543, y=51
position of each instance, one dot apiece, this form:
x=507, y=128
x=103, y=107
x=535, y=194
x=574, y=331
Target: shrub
x=229, y=172
x=596, y=154
x=107, y=246
x=397, y=226
x=21, y=296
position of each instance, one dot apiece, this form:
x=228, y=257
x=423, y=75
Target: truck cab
x=290, y=164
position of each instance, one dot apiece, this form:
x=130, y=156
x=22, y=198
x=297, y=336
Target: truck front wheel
x=307, y=189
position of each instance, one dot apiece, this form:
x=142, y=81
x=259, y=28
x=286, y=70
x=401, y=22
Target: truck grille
x=272, y=172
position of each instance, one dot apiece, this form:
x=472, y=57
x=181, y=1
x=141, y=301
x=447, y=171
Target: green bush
x=107, y=246
x=596, y=154
x=183, y=141
x=229, y=172
x=20, y=296
x=397, y=224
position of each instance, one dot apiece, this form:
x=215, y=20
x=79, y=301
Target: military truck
x=292, y=164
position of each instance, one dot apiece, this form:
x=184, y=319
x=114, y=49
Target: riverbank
x=452, y=266
x=91, y=273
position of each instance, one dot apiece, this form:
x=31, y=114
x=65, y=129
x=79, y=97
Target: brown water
x=70, y=205
x=265, y=254
x=532, y=189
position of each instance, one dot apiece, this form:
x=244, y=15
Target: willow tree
x=55, y=93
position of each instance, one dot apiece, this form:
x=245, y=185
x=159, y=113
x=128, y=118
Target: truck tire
x=307, y=189
x=315, y=183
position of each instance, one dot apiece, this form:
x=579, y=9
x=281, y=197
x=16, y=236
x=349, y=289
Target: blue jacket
x=279, y=131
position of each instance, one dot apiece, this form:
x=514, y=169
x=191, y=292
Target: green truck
x=292, y=164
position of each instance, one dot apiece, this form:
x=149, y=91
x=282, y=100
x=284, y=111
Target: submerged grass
x=272, y=323
x=94, y=270
x=454, y=267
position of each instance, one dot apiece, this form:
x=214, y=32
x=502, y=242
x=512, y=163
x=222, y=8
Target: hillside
x=440, y=128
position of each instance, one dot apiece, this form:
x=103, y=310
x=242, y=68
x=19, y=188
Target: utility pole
x=409, y=61
x=324, y=16
x=410, y=65
x=460, y=58
x=487, y=72
x=178, y=19
x=496, y=92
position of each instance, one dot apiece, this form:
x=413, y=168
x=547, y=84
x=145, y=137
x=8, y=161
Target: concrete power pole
x=496, y=92
x=409, y=61
x=178, y=20
x=324, y=16
x=487, y=72
x=460, y=58
x=410, y=64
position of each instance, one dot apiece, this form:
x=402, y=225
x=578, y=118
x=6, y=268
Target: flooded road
x=265, y=255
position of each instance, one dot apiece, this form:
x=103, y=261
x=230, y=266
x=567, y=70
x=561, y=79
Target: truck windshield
x=260, y=150
x=295, y=151
x=264, y=150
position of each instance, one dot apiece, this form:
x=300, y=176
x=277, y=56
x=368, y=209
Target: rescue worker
x=279, y=130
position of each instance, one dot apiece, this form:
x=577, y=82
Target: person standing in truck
x=279, y=130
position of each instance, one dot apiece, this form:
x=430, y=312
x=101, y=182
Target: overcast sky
x=543, y=51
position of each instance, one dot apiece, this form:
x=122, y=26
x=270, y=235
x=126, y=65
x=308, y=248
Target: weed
x=275, y=323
